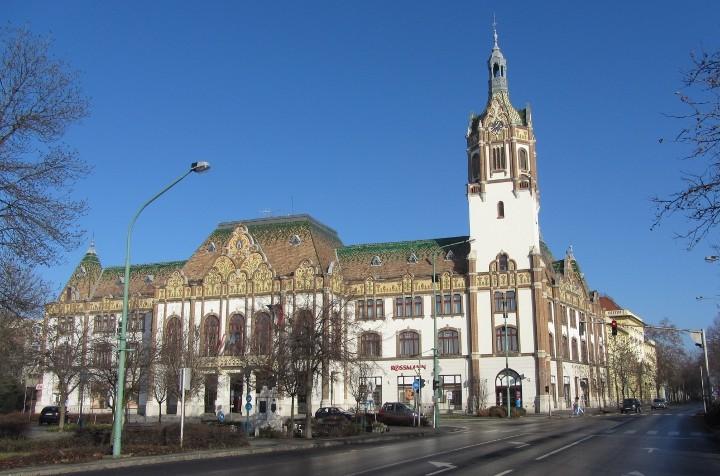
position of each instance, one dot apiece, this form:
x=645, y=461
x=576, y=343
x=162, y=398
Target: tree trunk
x=63, y=410
x=308, y=404
x=292, y=416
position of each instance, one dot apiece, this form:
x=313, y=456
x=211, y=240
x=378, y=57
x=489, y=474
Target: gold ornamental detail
x=305, y=276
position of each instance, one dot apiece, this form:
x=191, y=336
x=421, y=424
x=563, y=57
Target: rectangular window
x=447, y=304
x=399, y=307
x=438, y=304
x=452, y=391
x=457, y=304
x=408, y=306
x=360, y=309
x=380, y=308
x=550, y=312
x=370, y=309
x=418, y=306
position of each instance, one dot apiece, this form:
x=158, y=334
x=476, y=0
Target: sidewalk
x=257, y=446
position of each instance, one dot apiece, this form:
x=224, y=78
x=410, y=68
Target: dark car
x=51, y=415
x=631, y=405
x=658, y=403
x=331, y=414
x=398, y=413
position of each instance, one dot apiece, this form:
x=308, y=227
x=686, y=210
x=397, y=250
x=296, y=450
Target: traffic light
x=435, y=384
x=613, y=325
x=422, y=383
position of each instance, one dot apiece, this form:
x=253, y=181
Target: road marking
x=504, y=472
x=563, y=448
x=444, y=466
x=609, y=431
x=650, y=450
x=519, y=444
x=652, y=432
x=673, y=433
x=696, y=433
x=390, y=465
x=630, y=432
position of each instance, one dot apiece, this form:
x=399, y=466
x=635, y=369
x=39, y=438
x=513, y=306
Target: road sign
x=248, y=398
x=248, y=406
x=416, y=384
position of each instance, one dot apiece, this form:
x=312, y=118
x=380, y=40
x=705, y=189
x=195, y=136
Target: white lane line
x=630, y=432
x=563, y=448
x=696, y=433
x=390, y=465
x=652, y=432
x=673, y=433
x=504, y=472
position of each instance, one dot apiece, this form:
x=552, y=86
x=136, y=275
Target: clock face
x=496, y=127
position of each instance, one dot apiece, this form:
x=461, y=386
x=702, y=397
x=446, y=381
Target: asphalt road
x=665, y=442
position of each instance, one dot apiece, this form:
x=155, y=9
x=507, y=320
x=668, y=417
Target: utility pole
x=507, y=349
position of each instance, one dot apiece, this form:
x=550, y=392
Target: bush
x=99, y=435
x=497, y=412
x=483, y=412
x=270, y=432
x=14, y=425
x=203, y=436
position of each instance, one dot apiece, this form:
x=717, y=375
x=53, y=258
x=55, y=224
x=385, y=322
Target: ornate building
x=511, y=320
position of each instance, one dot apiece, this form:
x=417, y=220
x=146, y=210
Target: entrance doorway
x=236, y=393
x=508, y=378
x=211, y=382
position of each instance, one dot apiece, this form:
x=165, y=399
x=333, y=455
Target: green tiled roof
x=148, y=268
x=403, y=248
x=272, y=228
x=559, y=266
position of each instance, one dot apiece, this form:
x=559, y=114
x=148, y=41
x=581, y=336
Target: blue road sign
x=248, y=398
x=248, y=406
x=416, y=385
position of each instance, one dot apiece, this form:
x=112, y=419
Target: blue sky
x=355, y=112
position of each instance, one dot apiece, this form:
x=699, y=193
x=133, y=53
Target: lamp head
x=200, y=166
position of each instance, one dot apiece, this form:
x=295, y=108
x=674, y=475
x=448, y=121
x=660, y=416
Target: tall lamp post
x=433, y=308
x=122, y=338
x=507, y=351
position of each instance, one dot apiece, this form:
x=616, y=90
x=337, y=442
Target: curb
x=130, y=461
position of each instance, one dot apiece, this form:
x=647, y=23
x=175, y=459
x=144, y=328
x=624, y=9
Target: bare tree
x=39, y=99
x=65, y=357
x=358, y=372
x=623, y=359
x=103, y=366
x=699, y=199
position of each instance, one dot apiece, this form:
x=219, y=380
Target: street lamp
x=118, y=422
x=433, y=307
x=507, y=351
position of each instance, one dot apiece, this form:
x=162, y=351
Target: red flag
x=279, y=314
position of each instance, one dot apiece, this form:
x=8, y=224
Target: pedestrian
x=576, y=407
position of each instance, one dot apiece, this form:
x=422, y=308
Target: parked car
x=331, y=414
x=658, y=403
x=398, y=413
x=51, y=415
x=631, y=405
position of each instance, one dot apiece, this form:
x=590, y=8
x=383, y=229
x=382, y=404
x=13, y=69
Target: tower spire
x=497, y=65
x=494, y=25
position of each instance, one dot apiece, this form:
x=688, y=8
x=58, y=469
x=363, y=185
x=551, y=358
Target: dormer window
x=149, y=278
x=295, y=240
x=449, y=256
x=376, y=261
x=211, y=247
x=503, y=262
x=412, y=259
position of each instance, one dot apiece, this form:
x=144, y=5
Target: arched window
x=370, y=344
x=503, y=262
x=236, y=339
x=523, y=159
x=211, y=336
x=418, y=311
x=409, y=343
x=574, y=349
x=551, y=345
x=501, y=210
x=457, y=304
x=172, y=333
x=449, y=342
x=500, y=341
x=263, y=333
x=475, y=167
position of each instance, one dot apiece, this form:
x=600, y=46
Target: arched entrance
x=508, y=378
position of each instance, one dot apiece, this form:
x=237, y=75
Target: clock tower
x=502, y=186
